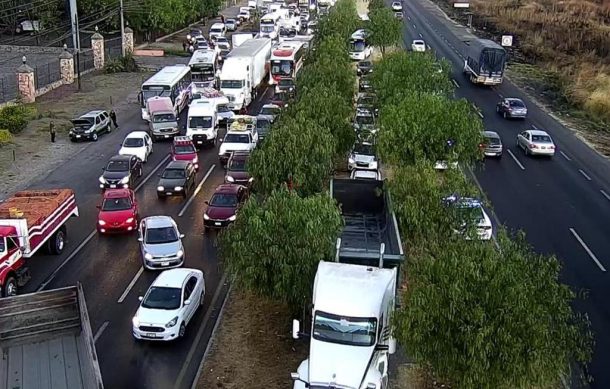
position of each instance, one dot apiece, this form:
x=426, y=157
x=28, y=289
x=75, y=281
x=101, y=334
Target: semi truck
x=31, y=220
x=47, y=343
x=244, y=70
x=485, y=62
x=354, y=297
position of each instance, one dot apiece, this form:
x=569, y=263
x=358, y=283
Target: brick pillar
x=128, y=41
x=25, y=82
x=97, y=44
x=66, y=66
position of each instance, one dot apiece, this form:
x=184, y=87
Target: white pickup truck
x=241, y=136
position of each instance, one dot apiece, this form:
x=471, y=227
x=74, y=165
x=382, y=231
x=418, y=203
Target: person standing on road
x=222, y=19
x=113, y=118
x=52, y=131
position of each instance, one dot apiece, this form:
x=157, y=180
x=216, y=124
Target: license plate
x=78, y=136
x=167, y=136
x=217, y=223
x=168, y=193
x=113, y=186
x=542, y=147
x=199, y=142
x=151, y=335
x=165, y=263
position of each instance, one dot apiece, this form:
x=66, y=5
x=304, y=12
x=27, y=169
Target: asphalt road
x=563, y=203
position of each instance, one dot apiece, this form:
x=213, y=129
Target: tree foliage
x=275, y=245
x=342, y=20
x=486, y=318
x=166, y=15
x=376, y=4
x=386, y=30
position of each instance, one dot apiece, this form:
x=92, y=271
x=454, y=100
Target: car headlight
x=172, y=322
x=102, y=180
x=148, y=256
x=373, y=165
x=177, y=188
x=232, y=218
x=230, y=179
x=135, y=321
x=102, y=223
x=206, y=217
x=196, y=159
x=250, y=179
x=124, y=180
x=351, y=160
x=160, y=188
x=180, y=253
x=130, y=220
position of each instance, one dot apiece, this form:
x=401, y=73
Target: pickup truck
x=241, y=136
x=30, y=220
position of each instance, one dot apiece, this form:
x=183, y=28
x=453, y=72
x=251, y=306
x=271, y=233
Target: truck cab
x=235, y=82
x=241, y=136
x=163, y=119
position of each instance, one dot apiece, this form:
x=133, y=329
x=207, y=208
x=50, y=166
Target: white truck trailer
x=244, y=70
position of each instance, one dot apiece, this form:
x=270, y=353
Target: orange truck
x=30, y=220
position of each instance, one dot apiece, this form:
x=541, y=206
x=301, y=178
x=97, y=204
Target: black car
x=121, y=172
x=263, y=125
x=365, y=85
x=364, y=67
x=178, y=178
x=285, y=85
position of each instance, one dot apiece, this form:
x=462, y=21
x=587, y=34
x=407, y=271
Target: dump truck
x=31, y=220
x=47, y=343
x=485, y=62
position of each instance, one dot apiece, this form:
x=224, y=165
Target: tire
x=94, y=137
x=182, y=330
x=10, y=287
x=57, y=243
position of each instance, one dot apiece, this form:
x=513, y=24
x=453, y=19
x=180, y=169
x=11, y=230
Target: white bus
x=286, y=60
x=204, y=64
x=171, y=81
x=269, y=25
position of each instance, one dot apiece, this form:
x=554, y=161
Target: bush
x=124, y=64
x=5, y=137
x=15, y=118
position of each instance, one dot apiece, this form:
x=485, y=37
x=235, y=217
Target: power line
x=20, y=9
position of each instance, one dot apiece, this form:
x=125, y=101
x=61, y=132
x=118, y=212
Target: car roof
x=271, y=106
x=158, y=221
x=217, y=25
x=121, y=157
x=268, y=118
x=177, y=164
x=92, y=113
x=514, y=99
x=136, y=134
x=117, y=193
x=174, y=278
x=227, y=188
x=491, y=134
x=538, y=132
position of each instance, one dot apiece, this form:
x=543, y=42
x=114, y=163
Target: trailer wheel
x=57, y=243
x=10, y=287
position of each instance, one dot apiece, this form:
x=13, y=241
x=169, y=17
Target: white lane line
x=588, y=250
x=455, y=83
x=565, y=155
x=92, y=234
x=420, y=35
x=584, y=174
x=606, y=195
x=500, y=94
x=197, y=190
x=408, y=18
x=100, y=331
x=414, y=26
x=131, y=284
x=202, y=328
x=515, y=159
x=480, y=114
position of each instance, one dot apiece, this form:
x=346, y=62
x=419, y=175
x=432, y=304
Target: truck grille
x=231, y=98
x=151, y=329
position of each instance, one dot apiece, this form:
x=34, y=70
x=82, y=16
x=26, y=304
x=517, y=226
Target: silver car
x=492, y=146
x=362, y=157
x=160, y=243
x=536, y=142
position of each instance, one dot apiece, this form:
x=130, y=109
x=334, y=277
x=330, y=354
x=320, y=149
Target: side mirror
x=181, y=236
x=207, y=202
x=140, y=298
x=220, y=140
x=187, y=302
x=140, y=239
x=22, y=249
x=296, y=328
x=297, y=377
x=98, y=206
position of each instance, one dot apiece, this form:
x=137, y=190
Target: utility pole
x=122, y=28
x=75, y=36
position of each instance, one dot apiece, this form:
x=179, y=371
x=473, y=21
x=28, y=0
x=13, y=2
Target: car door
x=134, y=202
x=98, y=124
x=149, y=144
x=141, y=235
x=189, y=288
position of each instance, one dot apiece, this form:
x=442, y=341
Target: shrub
x=124, y=64
x=15, y=118
x=5, y=137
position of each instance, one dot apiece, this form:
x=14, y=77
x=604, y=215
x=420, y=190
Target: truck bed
x=46, y=342
x=34, y=205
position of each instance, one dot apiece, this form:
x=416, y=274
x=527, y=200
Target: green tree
x=485, y=318
x=342, y=19
x=376, y=4
x=386, y=30
x=157, y=15
x=275, y=245
x=419, y=126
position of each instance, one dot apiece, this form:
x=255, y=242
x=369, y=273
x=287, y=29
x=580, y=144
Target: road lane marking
x=408, y=18
x=480, y=114
x=414, y=26
x=534, y=127
x=91, y=235
x=100, y=331
x=202, y=327
x=515, y=159
x=584, y=174
x=565, y=155
x=455, y=83
x=190, y=200
x=588, y=250
x=420, y=35
x=606, y=195
x=131, y=284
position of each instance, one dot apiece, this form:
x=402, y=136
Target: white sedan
x=169, y=305
x=536, y=142
x=418, y=45
x=473, y=216
x=137, y=143
x=396, y=6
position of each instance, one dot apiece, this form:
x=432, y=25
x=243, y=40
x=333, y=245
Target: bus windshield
x=154, y=91
x=357, y=46
x=281, y=67
x=267, y=28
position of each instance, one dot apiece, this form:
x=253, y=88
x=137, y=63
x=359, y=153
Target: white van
x=201, y=123
x=217, y=29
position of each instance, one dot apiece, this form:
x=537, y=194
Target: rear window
x=541, y=138
x=516, y=103
x=492, y=140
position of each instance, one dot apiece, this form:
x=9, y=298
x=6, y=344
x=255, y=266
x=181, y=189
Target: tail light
x=552, y=147
x=533, y=146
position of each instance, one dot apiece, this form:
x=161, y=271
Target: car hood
x=337, y=363
x=363, y=158
x=163, y=249
x=226, y=147
x=239, y=175
x=155, y=317
x=171, y=182
x=137, y=151
x=220, y=212
x=115, y=216
x=184, y=157
x=114, y=175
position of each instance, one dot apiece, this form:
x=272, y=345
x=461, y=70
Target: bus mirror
x=140, y=97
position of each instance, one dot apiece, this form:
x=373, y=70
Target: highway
x=563, y=203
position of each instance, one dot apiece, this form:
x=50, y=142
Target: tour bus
x=171, y=81
x=286, y=60
x=269, y=25
x=204, y=64
x=359, y=49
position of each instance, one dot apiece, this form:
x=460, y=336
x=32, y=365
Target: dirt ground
x=31, y=155
x=253, y=347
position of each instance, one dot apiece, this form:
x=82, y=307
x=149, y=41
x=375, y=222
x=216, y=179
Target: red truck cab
x=118, y=211
x=183, y=149
x=30, y=220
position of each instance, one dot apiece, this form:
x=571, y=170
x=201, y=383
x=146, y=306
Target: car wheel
x=94, y=137
x=182, y=330
x=10, y=287
x=57, y=242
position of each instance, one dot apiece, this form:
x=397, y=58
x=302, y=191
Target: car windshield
x=267, y=28
x=364, y=119
x=117, y=166
x=184, y=149
x=364, y=149
x=133, y=142
x=120, y=204
x=364, y=64
x=237, y=165
x=262, y=124
x=367, y=100
x=270, y=111
x=200, y=122
x=173, y=173
x=237, y=138
x=159, y=297
x=224, y=200
x=344, y=330
x=541, y=139
x=231, y=84
x=161, y=235
x=472, y=213
x=516, y=103
x=164, y=118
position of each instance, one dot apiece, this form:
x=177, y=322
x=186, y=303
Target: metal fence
x=46, y=74
x=85, y=61
x=8, y=88
x=113, y=48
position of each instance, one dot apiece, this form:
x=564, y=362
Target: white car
x=536, y=142
x=169, y=305
x=359, y=174
x=418, y=45
x=217, y=29
x=473, y=209
x=137, y=143
x=243, y=15
x=396, y=6
x=362, y=157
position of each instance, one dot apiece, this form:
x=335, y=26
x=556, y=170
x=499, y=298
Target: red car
x=183, y=149
x=223, y=206
x=118, y=211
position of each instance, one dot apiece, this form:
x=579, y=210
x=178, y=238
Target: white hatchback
x=418, y=45
x=137, y=143
x=169, y=305
x=396, y=6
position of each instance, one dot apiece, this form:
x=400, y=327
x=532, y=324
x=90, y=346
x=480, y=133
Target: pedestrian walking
x=184, y=46
x=52, y=131
x=113, y=118
x=222, y=19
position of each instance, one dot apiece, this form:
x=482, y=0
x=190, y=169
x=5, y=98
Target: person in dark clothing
x=222, y=19
x=184, y=46
x=52, y=131
x=113, y=118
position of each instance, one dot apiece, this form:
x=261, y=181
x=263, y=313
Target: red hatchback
x=118, y=211
x=183, y=149
x=223, y=206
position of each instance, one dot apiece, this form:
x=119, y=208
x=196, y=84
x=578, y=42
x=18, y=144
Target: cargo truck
x=244, y=70
x=31, y=220
x=485, y=62
x=47, y=343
